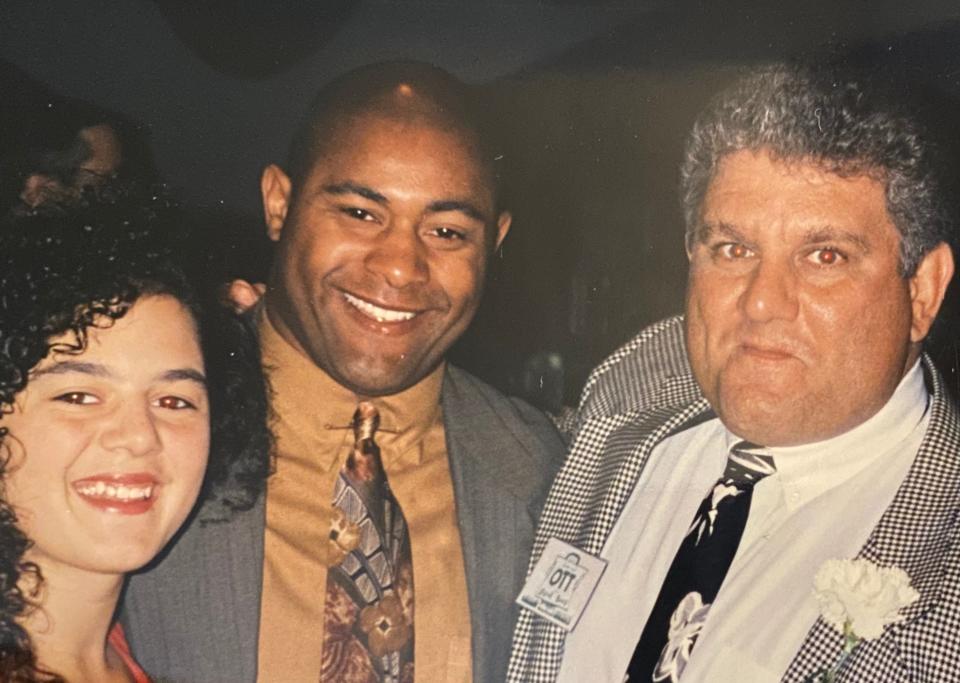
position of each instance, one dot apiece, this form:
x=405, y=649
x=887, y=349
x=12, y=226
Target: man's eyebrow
x=439, y=206
x=821, y=234
x=828, y=233
x=706, y=230
x=348, y=187
x=64, y=366
x=188, y=374
x=465, y=207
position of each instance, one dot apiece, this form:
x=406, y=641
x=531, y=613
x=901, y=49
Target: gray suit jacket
x=645, y=392
x=193, y=617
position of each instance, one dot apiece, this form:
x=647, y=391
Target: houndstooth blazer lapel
x=637, y=397
x=622, y=416
x=917, y=533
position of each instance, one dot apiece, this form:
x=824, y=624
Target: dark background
x=594, y=100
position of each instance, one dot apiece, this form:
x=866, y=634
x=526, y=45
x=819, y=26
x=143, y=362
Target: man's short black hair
x=402, y=89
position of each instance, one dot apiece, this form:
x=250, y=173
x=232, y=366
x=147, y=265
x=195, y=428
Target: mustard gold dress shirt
x=312, y=417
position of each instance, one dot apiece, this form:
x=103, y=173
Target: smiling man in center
x=396, y=528
x=383, y=248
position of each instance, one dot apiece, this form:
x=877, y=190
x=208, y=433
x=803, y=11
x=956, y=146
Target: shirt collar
x=318, y=410
x=808, y=470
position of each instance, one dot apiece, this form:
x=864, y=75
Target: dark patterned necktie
x=368, y=616
x=698, y=570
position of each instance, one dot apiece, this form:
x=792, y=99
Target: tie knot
x=365, y=421
x=746, y=466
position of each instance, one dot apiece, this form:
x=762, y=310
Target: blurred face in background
x=102, y=156
x=106, y=156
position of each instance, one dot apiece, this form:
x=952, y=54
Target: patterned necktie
x=698, y=570
x=368, y=616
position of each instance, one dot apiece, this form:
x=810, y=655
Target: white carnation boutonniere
x=859, y=599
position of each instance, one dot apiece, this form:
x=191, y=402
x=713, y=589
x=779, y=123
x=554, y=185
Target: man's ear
x=503, y=227
x=275, y=188
x=928, y=287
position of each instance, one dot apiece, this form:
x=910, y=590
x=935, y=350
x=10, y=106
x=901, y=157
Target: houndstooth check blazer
x=643, y=393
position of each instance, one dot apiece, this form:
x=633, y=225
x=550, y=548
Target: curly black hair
x=60, y=275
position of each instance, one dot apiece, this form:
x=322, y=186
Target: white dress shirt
x=822, y=503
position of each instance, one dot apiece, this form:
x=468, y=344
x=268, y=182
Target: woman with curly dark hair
x=116, y=381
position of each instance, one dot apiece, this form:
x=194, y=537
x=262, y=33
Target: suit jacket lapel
x=915, y=533
x=203, y=595
x=633, y=400
x=625, y=455
x=638, y=396
x=246, y=565
x=496, y=512
x=609, y=467
x=232, y=583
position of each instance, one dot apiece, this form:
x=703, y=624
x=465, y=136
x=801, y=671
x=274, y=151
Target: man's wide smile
x=379, y=313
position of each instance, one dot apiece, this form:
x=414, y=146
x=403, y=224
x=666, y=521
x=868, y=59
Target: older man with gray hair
x=787, y=431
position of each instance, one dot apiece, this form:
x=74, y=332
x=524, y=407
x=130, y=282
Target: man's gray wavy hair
x=837, y=122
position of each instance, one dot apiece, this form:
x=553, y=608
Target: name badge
x=561, y=583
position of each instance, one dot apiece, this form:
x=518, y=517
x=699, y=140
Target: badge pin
x=561, y=583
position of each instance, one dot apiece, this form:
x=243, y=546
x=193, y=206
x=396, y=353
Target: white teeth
x=382, y=315
x=121, y=492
